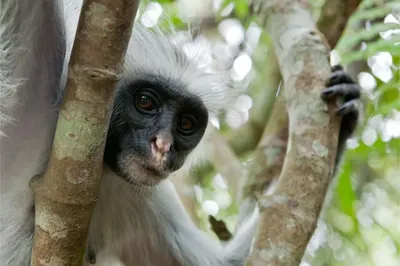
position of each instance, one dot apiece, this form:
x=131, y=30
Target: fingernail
x=327, y=92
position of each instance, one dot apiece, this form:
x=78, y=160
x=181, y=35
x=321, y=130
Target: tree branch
x=268, y=159
x=66, y=194
x=334, y=17
x=277, y=129
x=246, y=138
x=226, y=162
x=290, y=215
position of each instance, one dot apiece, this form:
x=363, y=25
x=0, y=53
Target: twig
x=226, y=162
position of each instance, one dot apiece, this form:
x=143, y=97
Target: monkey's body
x=140, y=222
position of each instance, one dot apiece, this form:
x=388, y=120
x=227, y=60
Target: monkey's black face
x=155, y=124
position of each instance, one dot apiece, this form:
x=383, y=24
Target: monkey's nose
x=163, y=145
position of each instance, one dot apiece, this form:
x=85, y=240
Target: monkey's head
x=154, y=126
x=161, y=109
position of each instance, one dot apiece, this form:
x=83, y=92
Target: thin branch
x=226, y=162
x=246, y=138
x=220, y=229
x=66, y=194
x=269, y=155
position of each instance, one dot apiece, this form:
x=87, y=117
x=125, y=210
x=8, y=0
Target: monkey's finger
x=349, y=91
x=350, y=107
x=336, y=68
x=338, y=77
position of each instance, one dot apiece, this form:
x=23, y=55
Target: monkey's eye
x=145, y=102
x=187, y=124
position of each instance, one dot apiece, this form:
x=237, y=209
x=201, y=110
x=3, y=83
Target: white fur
x=31, y=54
x=130, y=224
x=163, y=233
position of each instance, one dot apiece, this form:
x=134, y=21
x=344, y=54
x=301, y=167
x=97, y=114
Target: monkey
x=162, y=106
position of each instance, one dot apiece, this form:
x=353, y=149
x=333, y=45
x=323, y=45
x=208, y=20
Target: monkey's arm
x=31, y=52
x=191, y=246
x=31, y=60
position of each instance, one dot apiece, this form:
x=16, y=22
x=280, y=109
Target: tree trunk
x=66, y=194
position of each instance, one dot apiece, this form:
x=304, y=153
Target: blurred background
x=360, y=221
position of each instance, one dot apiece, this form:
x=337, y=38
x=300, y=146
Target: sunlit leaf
x=241, y=8
x=381, y=45
x=365, y=35
x=346, y=196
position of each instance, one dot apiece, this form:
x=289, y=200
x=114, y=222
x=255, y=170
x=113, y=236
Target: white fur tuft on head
x=151, y=51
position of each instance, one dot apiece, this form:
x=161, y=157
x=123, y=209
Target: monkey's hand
x=341, y=87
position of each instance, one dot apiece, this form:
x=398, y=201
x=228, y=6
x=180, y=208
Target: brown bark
x=66, y=194
x=261, y=174
x=332, y=26
x=290, y=214
x=334, y=17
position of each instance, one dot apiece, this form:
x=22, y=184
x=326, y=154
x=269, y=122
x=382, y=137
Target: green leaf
x=241, y=8
x=381, y=45
x=365, y=35
x=224, y=4
x=346, y=197
x=370, y=14
x=387, y=108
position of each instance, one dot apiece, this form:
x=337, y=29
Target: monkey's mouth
x=152, y=170
x=149, y=176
